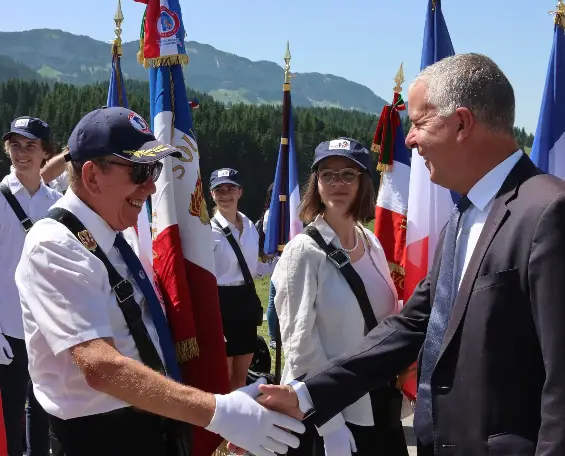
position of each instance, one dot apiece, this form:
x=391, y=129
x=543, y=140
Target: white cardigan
x=319, y=316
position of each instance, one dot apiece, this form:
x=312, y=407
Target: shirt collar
x=102, y=233
x=484, y=191
x=325, y=230
x=15, y=185
x=224, y=221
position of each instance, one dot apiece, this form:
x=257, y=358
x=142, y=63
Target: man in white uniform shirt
x=87, y=352
x=27, y=144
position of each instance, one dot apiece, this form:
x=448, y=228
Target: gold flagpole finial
x=399, y=79
x=118, y=19
x=433, y=5
x=559, y=14
x=287, y=58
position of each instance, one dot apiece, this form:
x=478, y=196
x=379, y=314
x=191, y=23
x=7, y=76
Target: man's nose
x=411, y=139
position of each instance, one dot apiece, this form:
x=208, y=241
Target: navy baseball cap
x=343, y=147
x=30, y=127
x=116, y=131
x=224, y=176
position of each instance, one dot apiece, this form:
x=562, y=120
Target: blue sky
x=361, y=40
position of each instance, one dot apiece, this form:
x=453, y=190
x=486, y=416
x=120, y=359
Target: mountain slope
x=65, y=57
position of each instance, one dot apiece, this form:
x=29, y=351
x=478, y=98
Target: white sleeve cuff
x=306, y=405
x=304, y=400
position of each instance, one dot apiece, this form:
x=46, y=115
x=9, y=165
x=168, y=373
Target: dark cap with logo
x=343, y=147
x=116, y=131
x=29, y=127
x=224, y=176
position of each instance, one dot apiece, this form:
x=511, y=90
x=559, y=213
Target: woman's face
x=226, y=196
x=338, y=183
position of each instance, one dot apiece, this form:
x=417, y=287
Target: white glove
x=340, y=442
x=6, y=355
x=248, y=425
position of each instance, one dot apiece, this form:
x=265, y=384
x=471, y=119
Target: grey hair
x=475, y=82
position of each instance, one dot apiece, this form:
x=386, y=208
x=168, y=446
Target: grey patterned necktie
x=439, y=317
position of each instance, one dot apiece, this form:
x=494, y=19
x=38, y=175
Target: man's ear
x=466, y=122
x=91, y=178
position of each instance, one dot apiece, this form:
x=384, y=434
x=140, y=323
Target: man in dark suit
x=487, y=324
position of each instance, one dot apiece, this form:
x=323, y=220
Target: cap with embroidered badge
x=29, y=127
x=116, y=131
x=224, y=176
x=343, y=147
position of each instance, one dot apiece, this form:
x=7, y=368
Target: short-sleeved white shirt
x=12, y=237
x=66, y=300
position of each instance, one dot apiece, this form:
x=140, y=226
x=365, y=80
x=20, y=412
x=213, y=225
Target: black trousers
x=14, y=384
x=123, y=432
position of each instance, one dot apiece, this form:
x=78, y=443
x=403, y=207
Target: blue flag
x=437, y=42
x=116, y=90
x=548, y=151
x=292, y=224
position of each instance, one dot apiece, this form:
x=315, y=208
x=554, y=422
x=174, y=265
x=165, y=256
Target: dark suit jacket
x=499, y=385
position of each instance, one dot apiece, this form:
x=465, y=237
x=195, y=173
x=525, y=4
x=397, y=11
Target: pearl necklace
x=356, y=241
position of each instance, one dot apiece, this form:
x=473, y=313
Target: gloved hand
x=6, y=355
x=248, y=425
x=340, y=442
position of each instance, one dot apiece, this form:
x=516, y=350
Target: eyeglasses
x=140, y=172
x=347, y=175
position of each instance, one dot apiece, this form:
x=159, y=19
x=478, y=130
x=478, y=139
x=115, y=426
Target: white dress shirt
x=66, y=300
x=60, y=183
x=319, y=316
x=228, y=272
x=12, y=237
x=482, y=196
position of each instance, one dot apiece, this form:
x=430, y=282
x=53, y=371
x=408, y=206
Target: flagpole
x=283, y=195
x=117, y=49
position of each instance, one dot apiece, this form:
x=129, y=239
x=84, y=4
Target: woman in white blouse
x=239, y=304
x=319, y=315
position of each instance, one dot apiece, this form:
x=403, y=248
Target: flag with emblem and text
x=183, y=256
x=548, y=150
x=392, y=198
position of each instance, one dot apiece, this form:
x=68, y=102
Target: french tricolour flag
x=548, y=151
x=183, y=258
x=292, y=223
x=429, y=205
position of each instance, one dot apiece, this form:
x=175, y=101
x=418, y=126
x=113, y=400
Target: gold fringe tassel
x=384, y=168
x=395, y=268
x=140, y=58
x=179, y=59
x=222, y=450
x=376, y=148
x=187, y=349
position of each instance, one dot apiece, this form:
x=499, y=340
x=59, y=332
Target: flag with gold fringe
x=183, y=257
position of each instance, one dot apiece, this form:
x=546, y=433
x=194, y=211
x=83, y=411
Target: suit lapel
x=497, y=217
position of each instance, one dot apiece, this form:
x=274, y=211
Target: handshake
x=258, y=418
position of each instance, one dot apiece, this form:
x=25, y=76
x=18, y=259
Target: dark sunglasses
x=347, y=175
x=140, y=172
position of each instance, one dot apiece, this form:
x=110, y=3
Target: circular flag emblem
x=138, y=122
x=168, y=23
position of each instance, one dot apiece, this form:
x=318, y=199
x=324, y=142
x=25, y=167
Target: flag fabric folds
x=292, y=225
x=429, y=205
x=548, y=150
x=392, y=198
x=183, y=257
x=117, y=90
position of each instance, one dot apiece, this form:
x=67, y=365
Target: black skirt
x=239, y=319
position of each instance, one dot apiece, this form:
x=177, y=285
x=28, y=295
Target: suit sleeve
x=546, y=277
x=385, y=352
